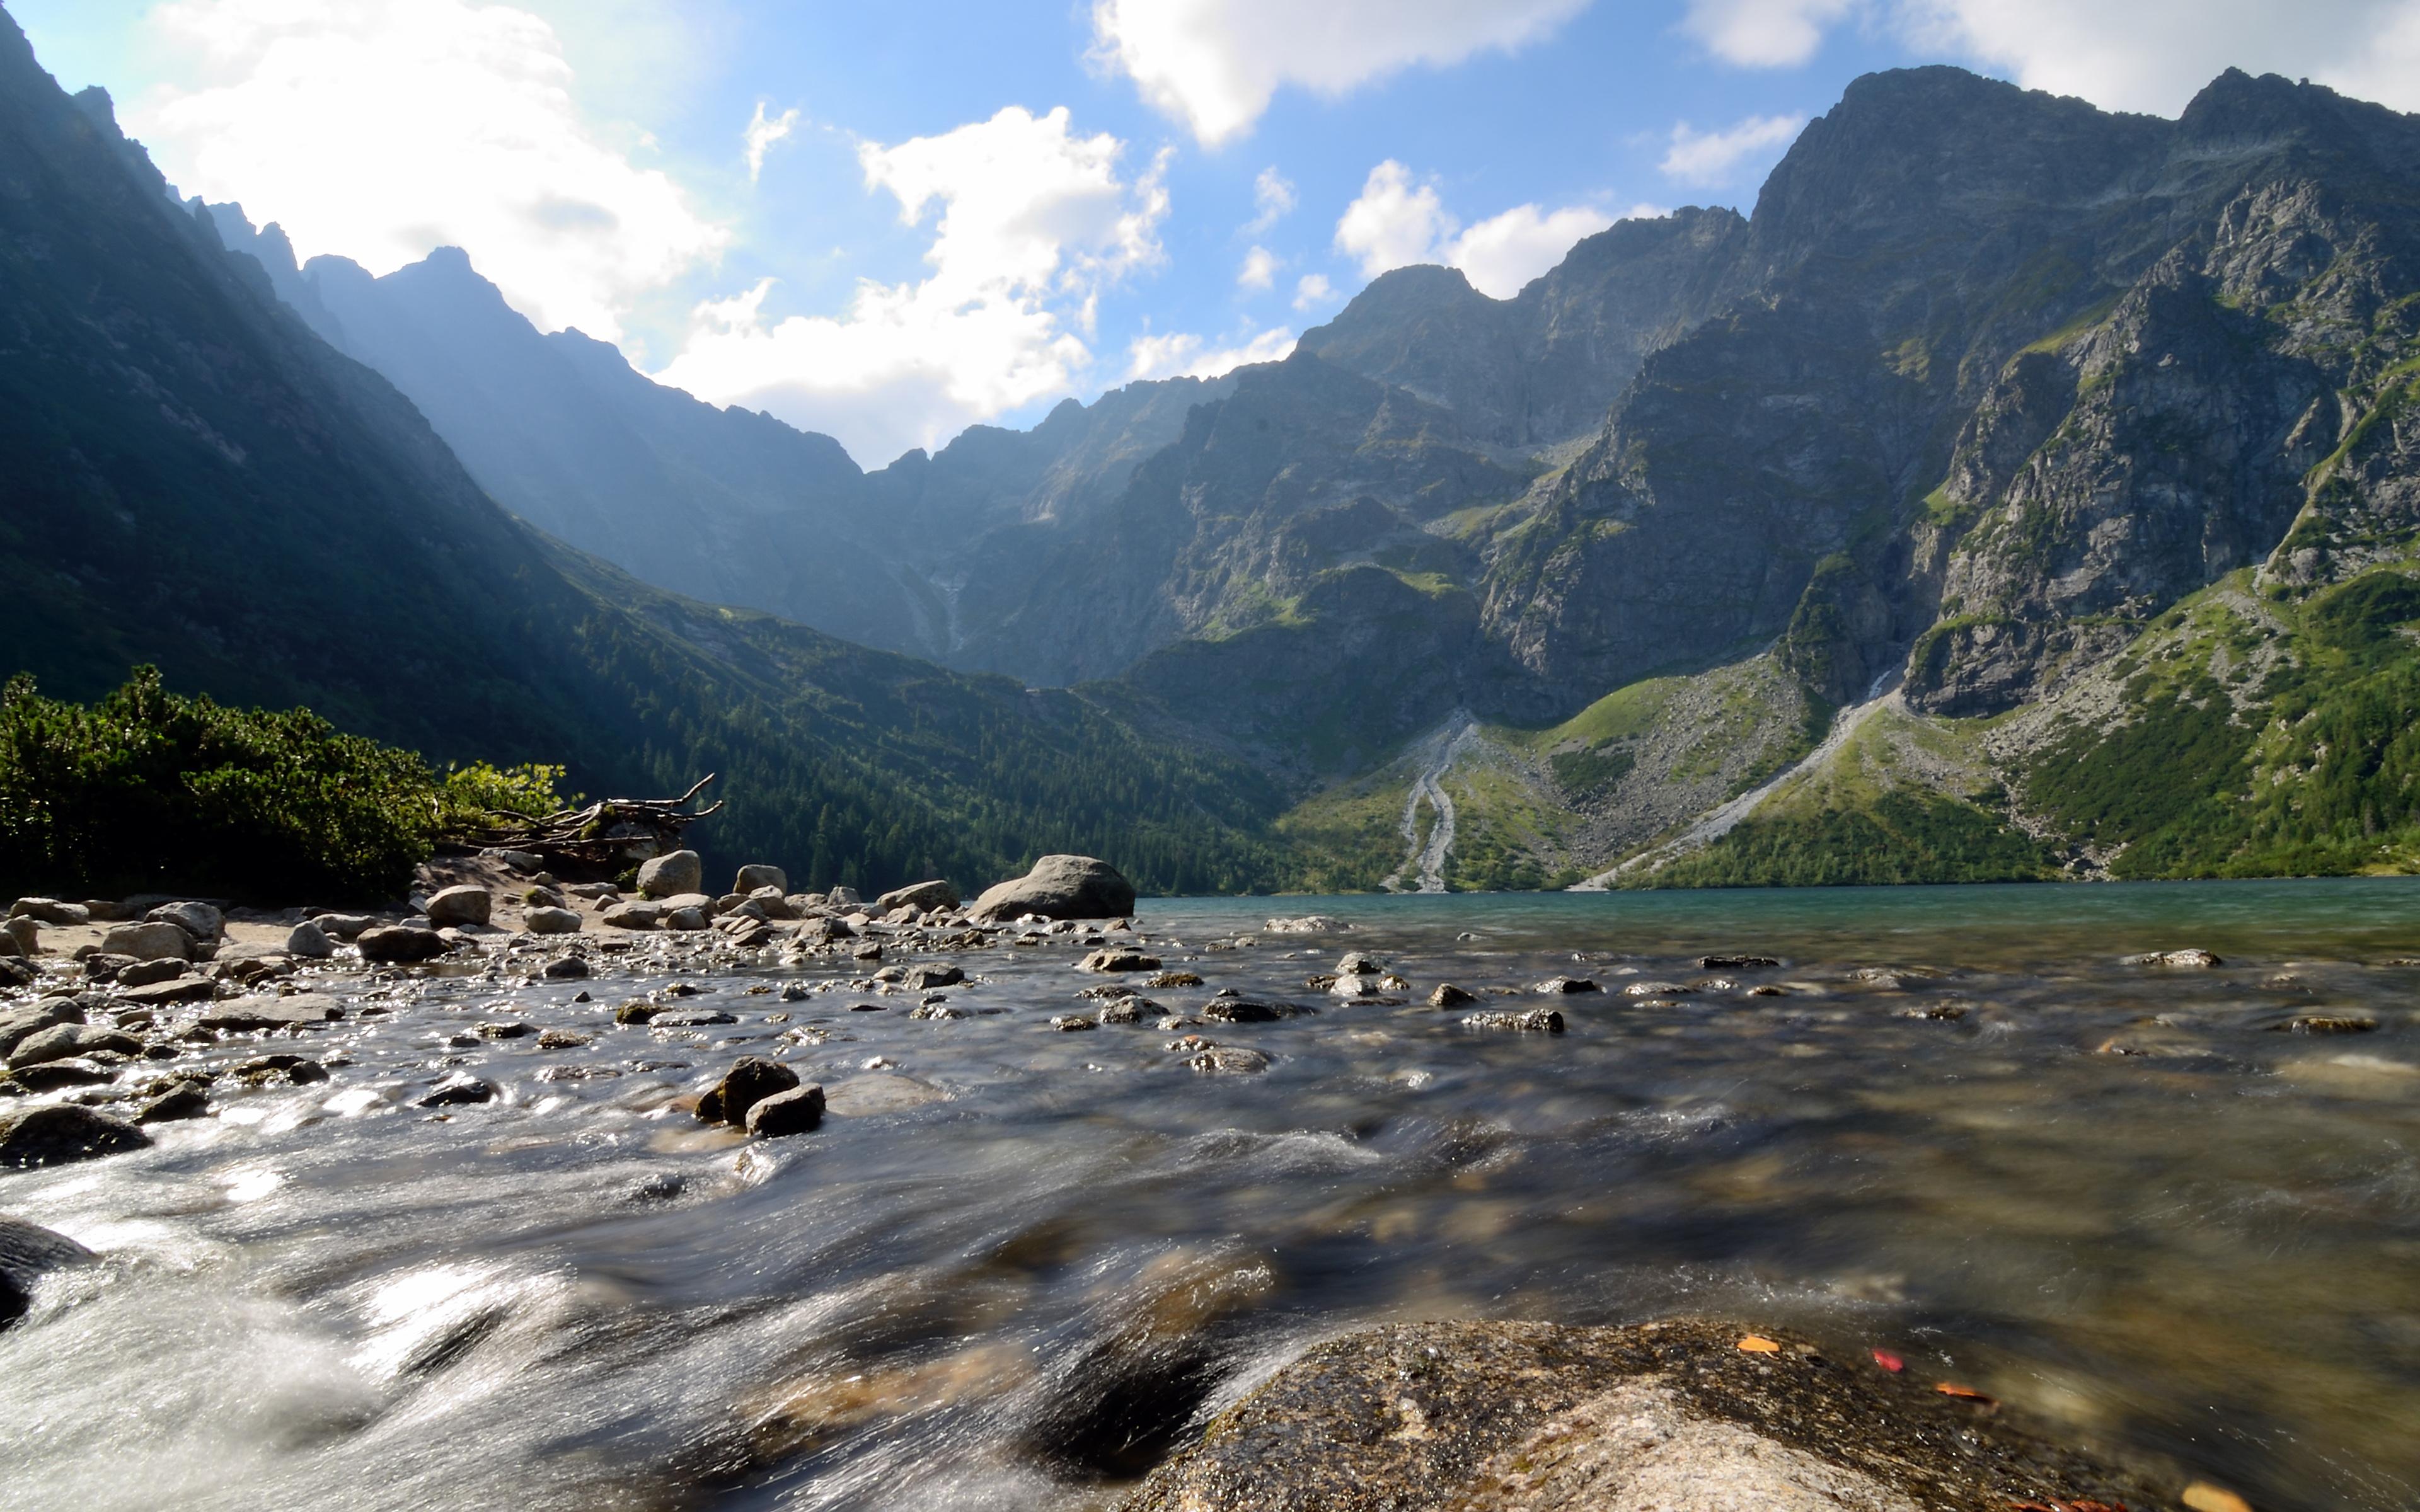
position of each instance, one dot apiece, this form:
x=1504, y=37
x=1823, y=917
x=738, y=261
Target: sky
x=889, y=222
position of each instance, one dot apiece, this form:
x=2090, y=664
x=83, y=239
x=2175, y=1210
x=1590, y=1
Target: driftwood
x=608, y=835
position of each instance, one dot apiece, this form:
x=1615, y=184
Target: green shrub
x=146, y=790
x=479, y=794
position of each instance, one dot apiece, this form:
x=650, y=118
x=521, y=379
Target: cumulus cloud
x=2144, y=55
x=1312, y=290
x=1273, y=200
x=1764, y=34
x=1711, y=157
x=382, y=131
x=1260, y=269
x=1031, y=223
x=1181, y=354
x=1399, y=220
x=762, y=133
x=1214, y=64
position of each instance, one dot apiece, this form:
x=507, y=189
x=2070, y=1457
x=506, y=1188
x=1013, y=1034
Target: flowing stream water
x=1016, y=1265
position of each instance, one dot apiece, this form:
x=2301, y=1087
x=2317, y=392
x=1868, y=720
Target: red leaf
x=1889, y=1361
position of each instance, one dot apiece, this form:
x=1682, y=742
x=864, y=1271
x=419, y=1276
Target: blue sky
x=967, y=211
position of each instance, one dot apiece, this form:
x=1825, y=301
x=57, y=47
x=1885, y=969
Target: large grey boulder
x=550, y=922
x=50, y=911
x=398, y=944
x=63, y=1042
x=24, y=1023
x=203, y=921
x=1061, y=887
x=751, y=878
x=154, y=940
x=671, y=874
x=632, y=916
x=456, y=906
x=55, y=1134
x=24, y=936
x=309, y=941
x=922, y=896
x=1661, y=1417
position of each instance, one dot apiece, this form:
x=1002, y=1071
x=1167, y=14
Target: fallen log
x=607, y=835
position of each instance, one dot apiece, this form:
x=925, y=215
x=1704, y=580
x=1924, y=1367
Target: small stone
x=797, y=1111
x=1172, y=978
x=2174, y=958
x=1307, y=924
x=186, y=1099
x=505, y=1029
x=144, y=973
x=1532, y=1021
x=2327, y=1024
x=936, y=1011
x=1130, y=1010
x=672, y=875
x=565, y=968
x=1359, y=963
x=925, y=979
x=687, y=920
x=1448, y=996
x=523, y=863
x=458, y=1090
x=1072, y=1023
x=260, y=1070
x=62, y=1040
x=550, y=920
x=154, y=940
x=637, y=1010
x=1736, y=962
x=177, y=989
x=1655, y=988
x=1247, y=1010
x=561, y=1040
x=632, y=916
x=300, y=1011
x=460, y=905
x=309, y=941
x=1117, y=958
x=690, y=1018
x=1232, y=1061
x=1566, y=986
x=24, y=936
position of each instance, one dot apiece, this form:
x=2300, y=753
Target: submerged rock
x=1116, y=957
x=749, y=1081
x=2174, y=958
x=1565, y=986
x=796, y=1111
x=1534, y=1021
x=1448, y=996
x=28, y=1252
x=1662, y=1417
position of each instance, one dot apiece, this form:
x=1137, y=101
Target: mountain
x=196, y=479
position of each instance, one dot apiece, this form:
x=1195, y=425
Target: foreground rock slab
x=1662, y=1417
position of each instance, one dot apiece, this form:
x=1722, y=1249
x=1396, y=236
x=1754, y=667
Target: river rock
x=23, y=1023
x=687, y=920
x=1118, y=958
x=1060, y=887
x=925, y=979
x=309, y=941
x=2175, y=958
x=1307, y=924
x=1228, y=1060
x=28, y=1252
x=749, y=1081
x=401, y=943
x=154, y=940
x=345, y=926
x=300, y=1012
x=758, y=875
x=1448, y=996
x=458, y=907
x=176, y=990
x=1566, y=986
x=567, y=968
x=144, y=973
x=461, y=1090
x=671, y=874
x=50, y=1075
x=632, y=916
x=550, y=922
x=201, y=920
x=61, y=1041
x=1660, y=1417
x=922, y=896
x=185, y=1099
x=55, y=1134
x=1531, y=1021
x=15, y=972
x=796, y=1111
x=1247, y=1010
x=51, y=911
x=1736, y=962
x=24, y=937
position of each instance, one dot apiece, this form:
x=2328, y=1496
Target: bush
x=147, y=791
x=477, y=795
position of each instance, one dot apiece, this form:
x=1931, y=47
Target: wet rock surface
x=1660, y=1417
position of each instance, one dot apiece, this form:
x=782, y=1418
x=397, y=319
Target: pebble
x=1533, y=1021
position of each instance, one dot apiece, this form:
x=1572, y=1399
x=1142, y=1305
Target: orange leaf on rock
x=1759, y=1344
x=2204, y=1497
x=1889, y=1361
x=1964, y=1393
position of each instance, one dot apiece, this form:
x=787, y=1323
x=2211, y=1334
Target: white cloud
x=1260, y=269
x=1500, y=254
x=1398, y=221
x=1033, y=223
x=1764, y=34
x=2155, y=55
x=1394, y=222
x=1180, y=354
x=382, y=131
x=1312, y=290
x=2142, y=55
x=1710, y=158
x=762, y=133
x=1214, y=64
x=1273, y=200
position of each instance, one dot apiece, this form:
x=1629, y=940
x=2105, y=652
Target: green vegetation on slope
x=1901, y=836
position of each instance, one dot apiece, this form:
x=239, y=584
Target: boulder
x=749, y=1081
x=176, y=990
x=28, y=1252
x=144, y=973
x=922, y=896
x=55, y=1134
x=25, y=936
x=24, y=1023
x=1448, y=996
x=632, y=916
x=843, y=897
x=51, y=911
x=309, y=941
x=688, y=920
x=157, y=940
x=668, y=875
x=203, y=921
x=758, y=877
x=567, y=968
x=1675, y=1416
x=925, y=979
x=15, y=972
x=185, y=1099
x=62, y=1041
x=550, y=922
x=460, y=1090
x=50, y=1075
x=456, y=906
x=1118, y=958
x=401, y=943
x=345, y=926
x=1060, y=887
x=301, y=1011
x=797, y=1111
